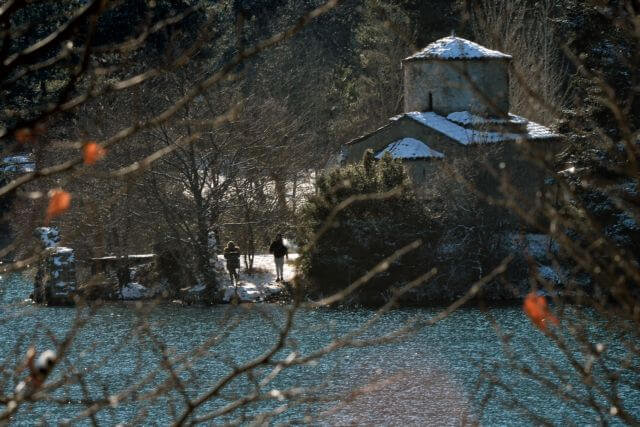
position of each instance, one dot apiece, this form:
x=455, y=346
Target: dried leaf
x=24, y=135
x=535, y=306
x=92, y=152
x=59, y=203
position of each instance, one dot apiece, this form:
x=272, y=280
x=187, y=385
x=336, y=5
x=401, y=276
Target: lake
x=435, y=376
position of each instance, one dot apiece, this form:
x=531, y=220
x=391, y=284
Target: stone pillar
x=55, y=282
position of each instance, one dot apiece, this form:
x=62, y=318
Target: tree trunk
x=294, y=193
x=281, y=194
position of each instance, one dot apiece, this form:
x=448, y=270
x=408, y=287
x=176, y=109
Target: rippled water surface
x=432, y=377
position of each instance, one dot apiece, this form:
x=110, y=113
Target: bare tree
x=526, y=31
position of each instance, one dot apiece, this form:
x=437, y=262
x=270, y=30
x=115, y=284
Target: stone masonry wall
x=398, y=129
x=448, y=82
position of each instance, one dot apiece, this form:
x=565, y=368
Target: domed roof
x=452, y=47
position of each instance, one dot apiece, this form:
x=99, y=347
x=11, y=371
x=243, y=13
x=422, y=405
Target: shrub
x=365, y=231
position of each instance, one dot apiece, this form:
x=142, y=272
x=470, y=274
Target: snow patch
x=22, y=163
x=453, y=47
x=469, y=136
x=468, y=118
x=62, y=256
x=409, y=148
x=133, y=291
x=245, y=291
x=252, y=292
x=136, y=257
x=197, y=289
x=63, y=286
x=537, y=131
x=49, y=236
x=271, y=289
x=549, y=274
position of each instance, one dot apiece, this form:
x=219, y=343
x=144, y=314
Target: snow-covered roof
x=537, y=131
x=409, y=149
x=469, y=136
x=453, y=47
x=113, y=257
x=20, y=163
x=466, y=118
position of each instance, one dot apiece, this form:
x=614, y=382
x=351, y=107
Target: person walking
x=232, y=255
x=279, y=251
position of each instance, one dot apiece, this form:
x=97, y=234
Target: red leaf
x=23, y=135
x=59, y=202
x=92, y=152
x=535, y=306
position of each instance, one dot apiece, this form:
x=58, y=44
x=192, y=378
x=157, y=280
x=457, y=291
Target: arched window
x=430, y=102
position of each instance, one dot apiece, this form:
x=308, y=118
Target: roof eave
x=361, y=138
x=421, y=158
x=438, y=58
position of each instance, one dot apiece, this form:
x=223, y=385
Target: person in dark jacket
x=279, y=251
x=232, y=255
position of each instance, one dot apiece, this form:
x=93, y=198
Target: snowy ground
x=255, y=287
x=260, y=285
x=133, y=291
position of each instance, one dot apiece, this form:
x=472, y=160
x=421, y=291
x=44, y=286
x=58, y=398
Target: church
x=456, y=108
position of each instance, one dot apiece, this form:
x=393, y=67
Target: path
x=260, y=285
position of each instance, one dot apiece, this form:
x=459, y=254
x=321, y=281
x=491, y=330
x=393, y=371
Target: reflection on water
x=433, y=377
x=403, y=397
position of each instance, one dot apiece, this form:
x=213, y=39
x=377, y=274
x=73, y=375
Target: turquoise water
x=436, y=376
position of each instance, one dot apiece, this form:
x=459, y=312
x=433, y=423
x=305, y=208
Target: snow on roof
x=409, y=148
x=537, y=131
x=114, y=257
x=20, y=163
x=470, y=136
x=467, y=118
x=453, y=47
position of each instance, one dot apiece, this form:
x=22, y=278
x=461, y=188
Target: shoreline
x=476, y=304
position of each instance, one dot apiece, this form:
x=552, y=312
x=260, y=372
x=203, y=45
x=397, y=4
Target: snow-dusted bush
x=365, y=231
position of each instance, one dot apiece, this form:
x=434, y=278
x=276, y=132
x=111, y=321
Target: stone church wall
x=445, y=87
x=398, y=129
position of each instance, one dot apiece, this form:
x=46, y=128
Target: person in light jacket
x=279, y=251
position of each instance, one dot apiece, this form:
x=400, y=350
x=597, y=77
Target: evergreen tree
x=366, y=231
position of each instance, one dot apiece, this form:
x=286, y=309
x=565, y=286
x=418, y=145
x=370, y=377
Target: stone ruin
x=116, y=277
x=55, y=282
x=122, y=277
